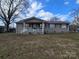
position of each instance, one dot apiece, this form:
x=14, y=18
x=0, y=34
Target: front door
x=35, y=28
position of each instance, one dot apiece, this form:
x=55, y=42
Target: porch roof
x=28, y=19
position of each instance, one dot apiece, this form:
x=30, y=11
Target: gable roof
x=50, y=22
x=31, y=18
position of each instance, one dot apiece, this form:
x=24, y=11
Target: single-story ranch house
x=35, y=25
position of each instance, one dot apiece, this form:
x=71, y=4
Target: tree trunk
x=7, y=27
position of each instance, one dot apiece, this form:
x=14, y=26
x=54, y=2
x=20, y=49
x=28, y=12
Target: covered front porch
x=33, y=28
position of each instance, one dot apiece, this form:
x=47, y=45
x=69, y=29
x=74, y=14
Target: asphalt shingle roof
x=53, y=22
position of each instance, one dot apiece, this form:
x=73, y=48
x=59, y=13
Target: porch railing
x=31, y=30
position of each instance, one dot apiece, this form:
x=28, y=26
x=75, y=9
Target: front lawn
x=48, y=46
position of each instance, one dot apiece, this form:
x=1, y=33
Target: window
x=47, y=25
x=30, y=25
x=35, y=26
x=57, y=26
x=63, y=26
x=52, y=25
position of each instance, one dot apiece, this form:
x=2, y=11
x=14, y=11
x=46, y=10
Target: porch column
x=24, y=25
x=43, y=26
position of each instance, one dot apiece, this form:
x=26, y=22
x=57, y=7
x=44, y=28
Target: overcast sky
x=46, y=9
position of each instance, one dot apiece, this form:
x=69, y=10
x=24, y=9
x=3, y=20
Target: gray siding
x=47, y=29
x=19, y=28
x=56, y=28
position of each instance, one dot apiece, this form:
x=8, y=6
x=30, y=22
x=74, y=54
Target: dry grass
x=49, y=46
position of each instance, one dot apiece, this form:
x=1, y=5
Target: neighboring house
x=35, y=25
x=2, y=29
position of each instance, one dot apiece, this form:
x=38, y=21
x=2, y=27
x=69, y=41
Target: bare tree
x=9, y=10
x=75, y=15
